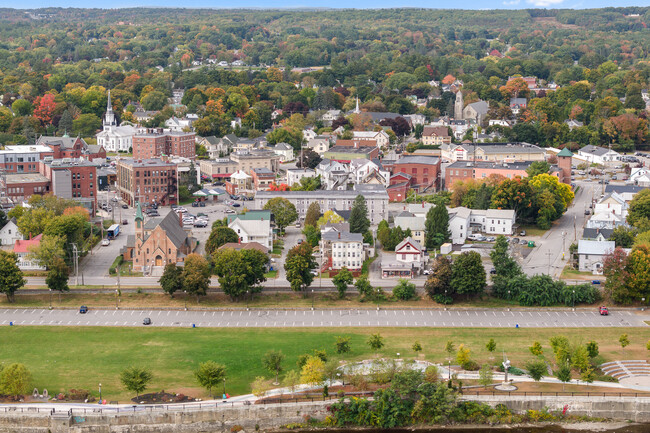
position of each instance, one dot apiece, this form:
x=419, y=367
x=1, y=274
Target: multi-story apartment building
x=147, y=181
x=73, y=179
x=424, y=170
x=375, y=195
x=345, y=250
x=156, y=143
x=23, y=159
x=248, y=160
x=71, y=147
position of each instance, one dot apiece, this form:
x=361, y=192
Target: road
x=546, y=258
x=324, y=318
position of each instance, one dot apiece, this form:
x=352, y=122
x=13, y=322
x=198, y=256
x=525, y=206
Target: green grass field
x=62, y=358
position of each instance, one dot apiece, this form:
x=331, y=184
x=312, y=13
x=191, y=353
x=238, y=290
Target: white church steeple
x=109, y=117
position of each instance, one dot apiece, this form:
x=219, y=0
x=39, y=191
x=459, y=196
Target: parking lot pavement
x=322, y=318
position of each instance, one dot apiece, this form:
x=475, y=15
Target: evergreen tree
x=313, y=213
x=436, y=227
x=359, y=222
x=65, y=123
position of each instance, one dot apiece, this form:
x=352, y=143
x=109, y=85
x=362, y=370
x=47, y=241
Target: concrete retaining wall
x=221, y=420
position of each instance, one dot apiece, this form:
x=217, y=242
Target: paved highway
x=320, y=318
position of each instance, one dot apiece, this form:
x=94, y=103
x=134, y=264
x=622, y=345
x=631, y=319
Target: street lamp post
x=573, y=301
x=116, y=297
x=185, y=296
x=312, y=299
x=642, y=304
x=247, y=291
x=50, y=299
x=224, y=387
x=100, y=393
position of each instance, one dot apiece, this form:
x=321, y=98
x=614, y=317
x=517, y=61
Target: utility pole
x=549, y=254
x=75, y=256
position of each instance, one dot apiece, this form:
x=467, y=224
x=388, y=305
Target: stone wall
x=250, y=418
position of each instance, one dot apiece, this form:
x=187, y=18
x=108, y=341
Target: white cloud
x=511, y=2
x=544, y=3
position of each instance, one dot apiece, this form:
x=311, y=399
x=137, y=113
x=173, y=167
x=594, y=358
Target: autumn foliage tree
x=44, y=108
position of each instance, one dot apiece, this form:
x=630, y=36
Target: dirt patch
x=162, y=397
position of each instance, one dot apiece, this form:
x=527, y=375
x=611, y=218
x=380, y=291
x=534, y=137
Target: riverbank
x=591, y=427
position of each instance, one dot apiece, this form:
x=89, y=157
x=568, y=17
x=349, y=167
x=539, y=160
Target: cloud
x=544, y=3
x=511, y=2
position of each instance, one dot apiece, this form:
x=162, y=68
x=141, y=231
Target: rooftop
x=351, y=149
x=26, y=149
x=152, y=162
x=335, y=236
x=519, y=165
x=418, y=159
x=13, y=179
x=595, y=247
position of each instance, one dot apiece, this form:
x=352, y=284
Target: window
x=403, y=256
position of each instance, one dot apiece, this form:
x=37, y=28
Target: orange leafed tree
x=44, y=108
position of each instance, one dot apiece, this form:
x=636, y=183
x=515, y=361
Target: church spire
x=109, y=117
x=356, y=110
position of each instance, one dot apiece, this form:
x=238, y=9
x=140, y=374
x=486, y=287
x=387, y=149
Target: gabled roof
x=171, y=226
x=565, y=152
x=481, y=107
x=500, y=213
x=251, y=215
x=253, y=227
x=592, y=233
x=409, y=240
x=283, y=146
x=594, y=150
x=335, y=236
x=595, y=247
x=22, y=246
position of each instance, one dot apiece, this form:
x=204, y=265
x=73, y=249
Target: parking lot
x=327, y=318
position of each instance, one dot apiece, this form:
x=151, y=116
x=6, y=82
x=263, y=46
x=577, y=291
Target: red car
x=603, y=311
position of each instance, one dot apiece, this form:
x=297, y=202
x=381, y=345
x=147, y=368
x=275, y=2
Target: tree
x=538, y=167
x=283, y=211
x=44, y=108
x=298, y=265
x=485, y=375
x=312, y=235
x=49, y=249
x=365, y=289
x=21, y=107
x=536, y=369
x=438, y=285
x=341, y=281
x=307, y=158
x=639, y=206
x=563, y=374
x=463, y=355
x=171, y=280
x=468, y=274
x=536, y=349
x=11, y=277
x=260, y=386
x=196, y=275
x=404, y=291
x=359, y=222
x=313, y=213
x=449, y=348
x=376, y=342
x=210, y=374
x=291, y=380
x=329, y=217
x=15, y=380
x=624, y=341
x=272, y=361
x=342, y=345
x=592, y=349
x=57, y=275
x=86, y=125
x=491, y=346
x=65, y=123
x=436, y=227
x=218, y=237
x=135, y=379
x=154, y=101
x=623, y=237
x=417, y=347
x=313, y=372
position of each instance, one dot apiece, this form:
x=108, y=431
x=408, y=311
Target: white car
x=230, y=211
x=105, y=242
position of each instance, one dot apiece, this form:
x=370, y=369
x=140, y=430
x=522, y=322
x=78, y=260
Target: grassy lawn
x=278, y=246
x=572, y=274
x=62, y=358
x=271, y=274
x=531, y=230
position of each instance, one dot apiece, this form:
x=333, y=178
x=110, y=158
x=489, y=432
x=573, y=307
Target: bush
x=471, y=365
x=404, y=290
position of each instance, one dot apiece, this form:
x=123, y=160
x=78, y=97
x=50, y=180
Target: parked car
x=114, y=199
x=83, y=309
x=146, y=321
x=200, y=223
x=230, y=211
x=125, y=206
x=236, y=205
x=515, y=240
x=195, y=204
x=105, y=242
x=603, y=311
x=201, y=204
x=523, y=242
x=522, y=233
x=587, y=212
x=491, y=239
x=314, y=271
x=595, y=282
x=125, y=222
x=493, y=271
x=426, y=272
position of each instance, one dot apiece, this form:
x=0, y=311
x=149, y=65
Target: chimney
x=339, y=235
x=180, y=219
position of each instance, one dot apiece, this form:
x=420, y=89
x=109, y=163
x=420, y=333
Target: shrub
x=404, y=290
x=236, y=428
x=471, y=365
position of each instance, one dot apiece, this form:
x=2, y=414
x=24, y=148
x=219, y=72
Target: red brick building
x=74, y=179
x=156, y=143
x=20, y=187
x=147, y=181
x=424, y=171
x=564, y=161
x=262, y=178
x=71, y=147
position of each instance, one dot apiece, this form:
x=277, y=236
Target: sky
x=360, y=4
